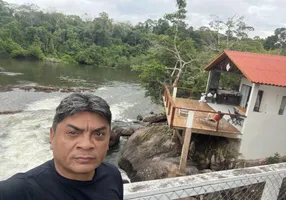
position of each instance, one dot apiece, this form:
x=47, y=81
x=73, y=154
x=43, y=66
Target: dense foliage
x=153, y=48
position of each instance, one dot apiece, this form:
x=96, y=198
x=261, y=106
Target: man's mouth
x=84, y=159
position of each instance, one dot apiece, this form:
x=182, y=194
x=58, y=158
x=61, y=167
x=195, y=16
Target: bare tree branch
x=175, y=69
x=162, y=83
x=214, y=49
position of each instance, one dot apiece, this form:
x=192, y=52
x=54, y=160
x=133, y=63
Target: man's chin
x=84, y=168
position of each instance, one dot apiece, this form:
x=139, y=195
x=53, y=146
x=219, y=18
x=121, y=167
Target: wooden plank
x=185, y=151
x=192, y=104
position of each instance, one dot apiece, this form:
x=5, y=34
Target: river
x=24, y=137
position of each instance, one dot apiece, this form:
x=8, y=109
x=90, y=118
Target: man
x=79, y=140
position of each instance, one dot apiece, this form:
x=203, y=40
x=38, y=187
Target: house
x=262, y=96
x=253, y=113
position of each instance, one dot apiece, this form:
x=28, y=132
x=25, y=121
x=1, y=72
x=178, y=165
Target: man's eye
x=72, y=133
x=99, y=134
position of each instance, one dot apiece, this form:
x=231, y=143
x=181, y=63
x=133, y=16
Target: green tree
x=277, y=41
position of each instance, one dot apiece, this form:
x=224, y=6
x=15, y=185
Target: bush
x=122, y=62
x=8, y=46
x=84, y=58
x=274, y=159
x=68, y=59
x=3, y=51
x=22, y=53
x=35, y=52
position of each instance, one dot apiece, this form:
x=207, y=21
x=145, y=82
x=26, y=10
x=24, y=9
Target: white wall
x=264, y=132
x=244, y=81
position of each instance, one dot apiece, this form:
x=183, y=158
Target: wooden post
x=175, y=89
x=185, y=151
x=186, y=145
x=167, y=100
x=172, y=116
x=166, y=97
x=184, y=133
x=169, y=108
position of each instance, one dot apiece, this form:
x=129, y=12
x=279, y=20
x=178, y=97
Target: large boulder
x=215, y=153
x=158, y=118
x=151, y=154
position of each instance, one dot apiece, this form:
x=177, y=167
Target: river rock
x=205, y=171
x=10, y=112
x=157, y=124
x=215, y=163
x=202, y=161
x=242, y=163
x=127, y=132
x=46, y=89
x=151, y=154
x=137, y=126
x=5, y=89
x=139, y=118
x=115, y=136
x=2, y=69
x=156, y=119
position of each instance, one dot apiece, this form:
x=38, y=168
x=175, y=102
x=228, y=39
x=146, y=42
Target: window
x=258, y=101
x=282, y=106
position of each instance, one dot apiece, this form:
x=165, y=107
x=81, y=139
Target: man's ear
x=52, y=135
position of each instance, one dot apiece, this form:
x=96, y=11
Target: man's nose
x=86, y=142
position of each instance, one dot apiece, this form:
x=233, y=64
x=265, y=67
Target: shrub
x=274, y=159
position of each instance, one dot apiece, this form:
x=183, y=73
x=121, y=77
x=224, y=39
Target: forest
x=166, y=50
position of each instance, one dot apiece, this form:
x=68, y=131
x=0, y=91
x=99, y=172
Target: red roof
x=258, y=68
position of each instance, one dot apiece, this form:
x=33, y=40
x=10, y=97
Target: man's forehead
x=85, y=115
x=88, y=127
x=85, y=120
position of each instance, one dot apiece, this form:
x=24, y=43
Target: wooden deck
x=200, y=123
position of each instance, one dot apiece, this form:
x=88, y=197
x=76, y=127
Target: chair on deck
x=239, y=120
x=232, y=118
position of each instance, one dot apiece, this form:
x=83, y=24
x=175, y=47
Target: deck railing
x=171, y=108
x=257, y=183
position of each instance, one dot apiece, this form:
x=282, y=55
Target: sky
x=264, y=15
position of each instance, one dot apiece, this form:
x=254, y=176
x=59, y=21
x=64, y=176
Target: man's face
x=80, y=144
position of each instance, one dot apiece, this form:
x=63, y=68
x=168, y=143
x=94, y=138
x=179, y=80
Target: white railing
x=256, y=183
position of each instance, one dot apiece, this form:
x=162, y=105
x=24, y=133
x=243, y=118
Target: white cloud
x=264, y=15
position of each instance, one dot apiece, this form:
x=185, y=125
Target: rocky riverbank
x=124, y=129
x=46, y=89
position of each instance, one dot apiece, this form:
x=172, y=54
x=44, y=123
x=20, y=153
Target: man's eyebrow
x=74, y=127
x=100, y=129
